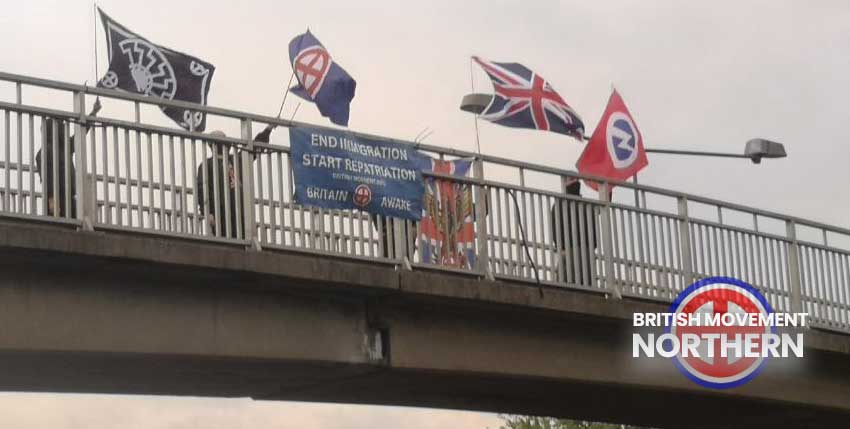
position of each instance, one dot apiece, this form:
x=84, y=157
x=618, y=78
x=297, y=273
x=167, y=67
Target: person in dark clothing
x=383, y=226
x=53, y=134
x=220, y=207
x=575, y=239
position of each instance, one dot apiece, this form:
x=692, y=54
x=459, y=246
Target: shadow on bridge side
x=122, y=313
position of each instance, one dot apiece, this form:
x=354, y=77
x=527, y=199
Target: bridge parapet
x=140, y=175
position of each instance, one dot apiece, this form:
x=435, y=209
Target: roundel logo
x=715, y=296
x=311, y=67
x=622, y=140
x=362, y=196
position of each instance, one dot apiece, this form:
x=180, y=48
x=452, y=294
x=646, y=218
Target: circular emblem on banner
x=622, y=140
x=362, y=196
x=718, y=296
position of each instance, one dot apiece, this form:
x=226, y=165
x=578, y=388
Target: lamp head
x=475, y=103
x=756, y=149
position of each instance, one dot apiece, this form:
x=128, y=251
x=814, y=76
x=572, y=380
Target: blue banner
x=337, y=170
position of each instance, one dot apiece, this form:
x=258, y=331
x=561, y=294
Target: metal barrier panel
x=824, y=286
x=280, y=222
x=37, y=167
x=647, y=254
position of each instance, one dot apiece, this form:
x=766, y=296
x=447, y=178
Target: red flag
x=615, y=149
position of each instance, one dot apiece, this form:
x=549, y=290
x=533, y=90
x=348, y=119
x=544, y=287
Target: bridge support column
x=685, y=245
x=608, y=242
x=796, y=293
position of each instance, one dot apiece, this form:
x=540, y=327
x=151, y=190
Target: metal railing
x=520, y=223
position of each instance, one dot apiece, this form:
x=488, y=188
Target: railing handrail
x=139, y=176
x=218, y=111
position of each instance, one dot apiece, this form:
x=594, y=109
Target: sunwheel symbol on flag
x=139, y=66
x=719, y=295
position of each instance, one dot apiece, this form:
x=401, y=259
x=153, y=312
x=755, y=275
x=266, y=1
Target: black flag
x=137, y=65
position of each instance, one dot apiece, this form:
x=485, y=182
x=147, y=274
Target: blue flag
x=320, y=79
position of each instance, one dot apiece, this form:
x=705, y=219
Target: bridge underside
x=120, y=313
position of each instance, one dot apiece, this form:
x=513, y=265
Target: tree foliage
x=512, y=421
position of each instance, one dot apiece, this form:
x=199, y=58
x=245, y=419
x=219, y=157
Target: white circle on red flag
x=622, y=140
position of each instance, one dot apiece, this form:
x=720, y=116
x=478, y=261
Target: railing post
x=247, y=155
x=685, y=242
x=482, y=260
x=794, y=267
x=400, y=238
x=84, y=212
x=608, y=242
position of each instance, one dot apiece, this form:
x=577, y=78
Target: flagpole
x=285, y=93
x=479, y=174
x=94, y=39
x=637, y=192
x=291, y=76
x=474, y=117
x=295, y=111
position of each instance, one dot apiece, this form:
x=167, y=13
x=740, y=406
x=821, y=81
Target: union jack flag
x=523, y=99
x=447, y=227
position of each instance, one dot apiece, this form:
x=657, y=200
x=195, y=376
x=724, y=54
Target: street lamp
x=755, y=149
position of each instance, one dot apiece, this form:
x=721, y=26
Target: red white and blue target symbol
x=716, y=296
x=311, y=67
x=362, y=196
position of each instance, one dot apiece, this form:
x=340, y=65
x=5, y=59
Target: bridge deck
x=119, y=312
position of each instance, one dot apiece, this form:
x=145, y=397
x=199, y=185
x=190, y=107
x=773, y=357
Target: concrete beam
x=124, y=313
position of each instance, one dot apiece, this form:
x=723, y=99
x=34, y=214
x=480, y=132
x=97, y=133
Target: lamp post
x=755, y=149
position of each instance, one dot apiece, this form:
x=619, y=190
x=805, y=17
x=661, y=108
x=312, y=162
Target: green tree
x=512, y=421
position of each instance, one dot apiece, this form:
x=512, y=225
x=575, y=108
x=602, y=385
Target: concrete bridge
x=131, y=291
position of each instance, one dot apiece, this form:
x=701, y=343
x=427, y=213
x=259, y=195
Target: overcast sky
x=701, y=75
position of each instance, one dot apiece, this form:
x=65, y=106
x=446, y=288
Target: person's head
x=573, y=186
x=50, y=128
x=219, y=148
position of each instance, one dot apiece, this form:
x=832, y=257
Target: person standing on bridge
x=211, y=199
x=53, y=146
x=574, y=235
